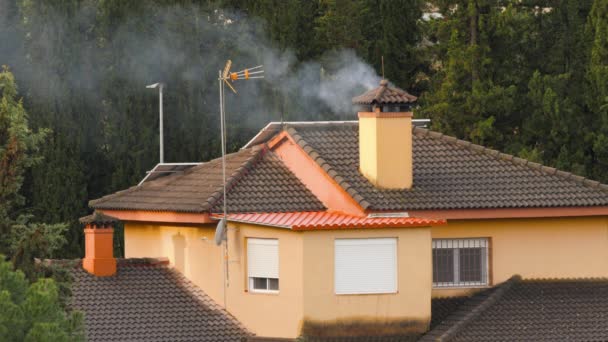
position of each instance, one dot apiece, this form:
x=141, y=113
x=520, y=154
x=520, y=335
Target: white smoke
x=152, y=47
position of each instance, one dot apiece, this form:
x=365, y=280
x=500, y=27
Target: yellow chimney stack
x=385, y=137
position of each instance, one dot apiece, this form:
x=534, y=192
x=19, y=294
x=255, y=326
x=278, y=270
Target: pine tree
x=33, y=312
x=597, y=85
x=398, y=41
x=18, y=152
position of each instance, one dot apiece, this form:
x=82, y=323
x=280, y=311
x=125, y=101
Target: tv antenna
x=227, y=78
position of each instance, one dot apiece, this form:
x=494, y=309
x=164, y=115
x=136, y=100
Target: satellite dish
x=220, y=231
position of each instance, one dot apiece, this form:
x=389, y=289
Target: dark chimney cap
x=384, y=95
x=98, y=219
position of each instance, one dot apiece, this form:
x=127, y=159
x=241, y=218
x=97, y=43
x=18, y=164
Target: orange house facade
x=335, y=225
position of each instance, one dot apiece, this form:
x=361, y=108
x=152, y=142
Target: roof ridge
x=565, y=280
x=312, y=153
x=471, y=315
x=258, y=152
x=105, y=198
x=513, y=159
x=202, y=298
x=146, y=261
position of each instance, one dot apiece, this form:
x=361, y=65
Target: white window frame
x=254, y=290
x=456, y=244
x=250, y=278
x=346, y=241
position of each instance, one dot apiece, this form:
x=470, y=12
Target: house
x=352, y=228
x=144, y=300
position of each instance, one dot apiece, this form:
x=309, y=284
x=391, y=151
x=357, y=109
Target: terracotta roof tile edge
x=513, y=159
x=326, y=167
x=469, y=317
x=324, y=220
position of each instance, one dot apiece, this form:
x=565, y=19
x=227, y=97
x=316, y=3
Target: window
x=460, y=262
x=263, y=265
x=365, y=266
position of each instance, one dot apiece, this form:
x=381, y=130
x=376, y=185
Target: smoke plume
x=96, y=63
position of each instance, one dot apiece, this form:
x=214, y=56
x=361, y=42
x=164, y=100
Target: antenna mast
x=225, y=77
x=161, y=147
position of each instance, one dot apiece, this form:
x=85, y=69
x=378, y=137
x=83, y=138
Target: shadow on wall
x=360, y=329
x=179, y=251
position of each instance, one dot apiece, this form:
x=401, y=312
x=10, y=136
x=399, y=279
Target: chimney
x=385, y=136
x=99, y=244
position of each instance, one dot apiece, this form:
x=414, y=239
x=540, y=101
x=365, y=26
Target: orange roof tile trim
x=323, y=220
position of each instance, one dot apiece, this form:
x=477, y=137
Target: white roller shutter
x=365, y=266
x=263, y=258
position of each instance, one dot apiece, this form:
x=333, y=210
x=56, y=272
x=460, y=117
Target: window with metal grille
x=460, y=262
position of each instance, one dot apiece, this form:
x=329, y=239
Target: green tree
x=509, y=75
x=18, y=152
x=20, y=238
x=34, y=312
x=597, y=86
x=398, y=42
x=345, y=24
x=58, y=41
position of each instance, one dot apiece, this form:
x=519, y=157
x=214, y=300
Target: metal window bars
x=460, y=262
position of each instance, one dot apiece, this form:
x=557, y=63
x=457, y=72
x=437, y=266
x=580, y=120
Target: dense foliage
x=20, y=237
x=526, y=77
x=34, y=312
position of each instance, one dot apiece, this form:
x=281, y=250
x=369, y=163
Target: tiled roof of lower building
x=448, y=174
x=530, y=310
x=256, y=181
x=148, y=301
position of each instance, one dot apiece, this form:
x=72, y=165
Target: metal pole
x=160, y=105
x=225, y=135
x=225, y=245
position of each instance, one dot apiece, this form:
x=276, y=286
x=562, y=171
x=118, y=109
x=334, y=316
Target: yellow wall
x=532, y=248
x=368, y=150
x=199, y=259
x=274, y=315
x=536, y=248
x=412, y=302
x=385, y=144
x=300, y=298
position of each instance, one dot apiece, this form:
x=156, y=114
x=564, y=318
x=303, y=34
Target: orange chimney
x=99, y=244
x=385, y=136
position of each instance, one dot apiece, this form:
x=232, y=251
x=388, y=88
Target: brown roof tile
x=256, y=180
x=148, y=301
x=448, y=174
x=385, y=95
x=269, y=187
x=530, y=310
